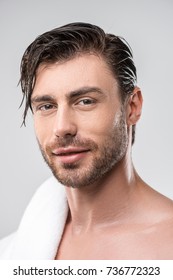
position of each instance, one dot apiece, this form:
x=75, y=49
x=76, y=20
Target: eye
x=46, y=107
x=86, y=101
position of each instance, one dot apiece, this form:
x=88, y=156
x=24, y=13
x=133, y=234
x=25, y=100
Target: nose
x=64, y=124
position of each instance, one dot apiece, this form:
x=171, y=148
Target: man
x=80, y=85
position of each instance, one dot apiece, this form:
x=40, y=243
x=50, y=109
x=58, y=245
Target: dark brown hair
x=66, y=42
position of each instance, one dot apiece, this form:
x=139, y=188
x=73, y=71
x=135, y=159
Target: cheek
x=98, y=126
x=42, y=131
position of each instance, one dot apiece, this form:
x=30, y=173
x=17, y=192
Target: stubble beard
x=104, y=158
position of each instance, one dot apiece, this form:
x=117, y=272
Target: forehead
x=86, y=70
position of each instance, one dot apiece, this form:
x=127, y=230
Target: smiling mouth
x=69, y=151
x=70, y=155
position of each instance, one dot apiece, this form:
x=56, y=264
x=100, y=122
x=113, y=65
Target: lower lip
x=72, y=158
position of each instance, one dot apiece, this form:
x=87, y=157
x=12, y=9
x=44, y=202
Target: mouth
x=70, y=155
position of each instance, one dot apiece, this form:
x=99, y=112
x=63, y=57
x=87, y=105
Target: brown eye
x=86, y=101
x=46, y=107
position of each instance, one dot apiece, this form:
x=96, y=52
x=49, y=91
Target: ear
x=134, y=106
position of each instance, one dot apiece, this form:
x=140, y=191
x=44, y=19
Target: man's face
x=79, y=120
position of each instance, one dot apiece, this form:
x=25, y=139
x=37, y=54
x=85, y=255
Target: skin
x=116, y=216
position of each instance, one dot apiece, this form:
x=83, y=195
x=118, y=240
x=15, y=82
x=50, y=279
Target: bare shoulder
x=163, y=205
x=163, y=238
x=151, y=234
x=158, y=207
x=159, y=212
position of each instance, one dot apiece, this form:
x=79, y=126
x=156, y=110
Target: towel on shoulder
x=41, y=227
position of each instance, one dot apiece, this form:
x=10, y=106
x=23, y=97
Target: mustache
x=64, y=142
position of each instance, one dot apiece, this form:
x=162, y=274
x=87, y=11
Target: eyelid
x=39, y=107
x=93, y=100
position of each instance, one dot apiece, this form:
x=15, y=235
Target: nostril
x=66, y=140
x=64, y=124
x=65, y=135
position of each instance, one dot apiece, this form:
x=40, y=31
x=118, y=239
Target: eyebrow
x=83, y=91
x=70, y=95
x=42, y=98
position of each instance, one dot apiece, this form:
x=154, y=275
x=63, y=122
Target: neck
x=107, y=201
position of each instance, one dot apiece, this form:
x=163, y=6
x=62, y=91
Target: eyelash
x=43, y=107
x=91, y=101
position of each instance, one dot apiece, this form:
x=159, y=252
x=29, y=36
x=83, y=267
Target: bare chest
x=112, y=246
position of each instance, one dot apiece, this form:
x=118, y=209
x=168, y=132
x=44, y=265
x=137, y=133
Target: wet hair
x=66, y=42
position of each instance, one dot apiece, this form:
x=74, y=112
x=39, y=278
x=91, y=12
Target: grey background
x=147, y=26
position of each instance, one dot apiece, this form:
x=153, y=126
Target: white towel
x=41, y=227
